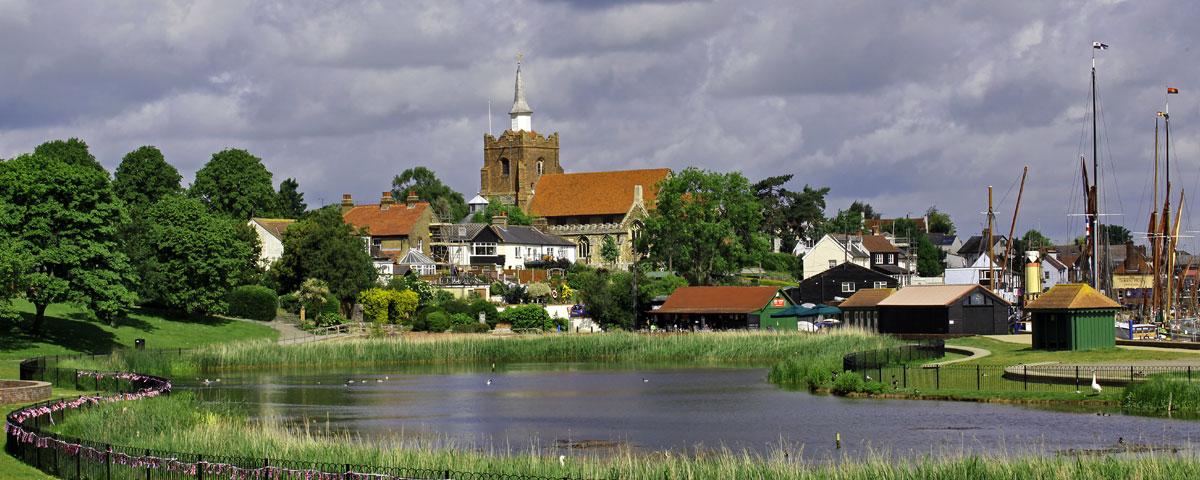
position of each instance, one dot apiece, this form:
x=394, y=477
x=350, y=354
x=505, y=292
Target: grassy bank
x=1009, y=353
x=181, y=423
x=1163, y=395
x=744, y=348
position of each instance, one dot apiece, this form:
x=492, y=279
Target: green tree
x=846, y=222
x=1116, y=234
x=13, y=264
x=1034, y=239
x=311, y=292
x=72, y=151
x=289, y=202
x=939, y=222
x=864, y=209
x=516, y=216
x=787, y=214
x=196, y=256
x=929, y=258
x=705, y=225
x=143, y=177
x=64, y=220
x=609, y=251
x=235, y=183
x=324, y=247
x=447, y=203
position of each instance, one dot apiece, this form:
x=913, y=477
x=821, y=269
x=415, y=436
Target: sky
x=904, y=105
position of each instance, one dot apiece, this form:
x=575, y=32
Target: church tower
x=514, y=161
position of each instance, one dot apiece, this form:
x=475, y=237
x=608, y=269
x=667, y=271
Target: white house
x=270, y=236
x=503, y=245
x=980, y=273
x=833, y=250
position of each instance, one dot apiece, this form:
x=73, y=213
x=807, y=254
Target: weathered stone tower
x=513, y=163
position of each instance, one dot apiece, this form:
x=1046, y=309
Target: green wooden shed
x=1072, y=316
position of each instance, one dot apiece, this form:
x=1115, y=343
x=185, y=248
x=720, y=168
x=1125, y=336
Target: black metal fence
x=922, y=350
x=79, y=458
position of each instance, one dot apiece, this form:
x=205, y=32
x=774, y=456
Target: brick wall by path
x=21, y=391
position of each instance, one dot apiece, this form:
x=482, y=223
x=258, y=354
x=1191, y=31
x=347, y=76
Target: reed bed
x=734, y=348
x=1162, y=394
x=183, y=424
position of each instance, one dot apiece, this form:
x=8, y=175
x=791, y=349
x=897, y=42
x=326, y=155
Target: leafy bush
x=491, y=315
x=438, y=321
x=527, y=316
x=326, y=319
x=254, y=302
x=442, y=296
x=847, y=382
x=779, y=262
x=538, y=291
x=388, y=306
x=290, y=303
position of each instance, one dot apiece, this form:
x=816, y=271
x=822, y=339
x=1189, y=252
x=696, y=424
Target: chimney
x=411, y=200
x=637, y=194
x=347, y=203
x=1132, y=255
x=541, y=224
x=386, y=201
x=500, y=220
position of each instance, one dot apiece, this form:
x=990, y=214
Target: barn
x=943, y=310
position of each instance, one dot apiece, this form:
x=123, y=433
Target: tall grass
x=736, y=348
x=1161, y=394
x=181, y=423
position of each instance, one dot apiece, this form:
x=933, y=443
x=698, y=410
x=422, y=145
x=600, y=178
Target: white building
x=502, y=245
x=270, y=236
x=980, y=273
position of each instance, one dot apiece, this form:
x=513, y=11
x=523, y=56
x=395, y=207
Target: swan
x=1095, y=385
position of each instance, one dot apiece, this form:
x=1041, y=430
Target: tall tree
x=865, y=209
x=235, y=183
x=939, y=222
x=515, y=215
x=1116, y=234
x=14, y=263
x=323, y=247
x=929, y=257
x=73, y=151
x=789, y=215
x=290, y=201
x=609, y=252
x=705, y=225
x=143, y=177
x=1034, y=239
x=65, y=218
x=196, y=256
x=446, y=202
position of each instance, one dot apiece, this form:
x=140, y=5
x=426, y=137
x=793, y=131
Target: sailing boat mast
x=1155, y=239
x=987, y=249
x=1094, y=217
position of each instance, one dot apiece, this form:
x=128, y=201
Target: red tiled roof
x=398, y=220
x=594, y=193
x=884, y=224
x=718, y=299
x=878, y=244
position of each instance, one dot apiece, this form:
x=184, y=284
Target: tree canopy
x=290, y=201
x=143, y=177
x=63, y=220
x=447, y=203
x=1034, y=239
x=516, y=216
x=72, y=151
x=323, y=247
x=237, y=184
x=1116, y=234
x=939, y=222
x=705, y=225
x=787, y=214
x=195, y=258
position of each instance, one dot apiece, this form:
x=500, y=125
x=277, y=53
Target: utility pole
x=987, y=248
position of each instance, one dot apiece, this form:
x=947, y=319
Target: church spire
x=521, y=114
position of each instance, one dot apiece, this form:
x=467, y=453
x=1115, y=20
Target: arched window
x=504, y=166
x=540, y=166
x=585, y=248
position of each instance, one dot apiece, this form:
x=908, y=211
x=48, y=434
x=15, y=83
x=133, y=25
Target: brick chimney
x=386, y=201
x=500, y=220
x=347, y=203
x=411, y=201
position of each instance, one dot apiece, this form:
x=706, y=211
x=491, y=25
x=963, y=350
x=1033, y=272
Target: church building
x=521, y=167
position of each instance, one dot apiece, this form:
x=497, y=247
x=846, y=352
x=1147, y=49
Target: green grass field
x=1007, y=353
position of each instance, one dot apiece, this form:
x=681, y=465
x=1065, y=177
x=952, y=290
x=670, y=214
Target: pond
x=593, y=408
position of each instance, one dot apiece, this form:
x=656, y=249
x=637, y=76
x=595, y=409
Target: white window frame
x=833, y=263
x=848, y=287
x=485, y=246
x=880, y=284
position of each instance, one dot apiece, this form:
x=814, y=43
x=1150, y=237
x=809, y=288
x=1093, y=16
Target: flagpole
x=1095, y=183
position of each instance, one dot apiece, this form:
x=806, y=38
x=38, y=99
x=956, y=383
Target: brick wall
x=20, y=391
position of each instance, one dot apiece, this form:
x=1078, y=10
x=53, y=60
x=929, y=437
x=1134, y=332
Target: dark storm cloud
x=901, y=104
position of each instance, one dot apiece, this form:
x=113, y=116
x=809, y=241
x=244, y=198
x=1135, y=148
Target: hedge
x=253, y=301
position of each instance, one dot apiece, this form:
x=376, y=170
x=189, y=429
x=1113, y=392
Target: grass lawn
x=1006, y=353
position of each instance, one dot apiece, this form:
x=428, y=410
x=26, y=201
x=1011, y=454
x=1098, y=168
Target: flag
x=1172, y=90
x=1099, y=46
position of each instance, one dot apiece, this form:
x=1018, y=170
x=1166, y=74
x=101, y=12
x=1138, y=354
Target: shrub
x=442, y=296
x=847, y=382
x=438, y=321
x=388, y=306
x=461, y=319
x=326, y=319
x=290, y=303
x=491, y=315
x=538, y=291
x=779, y=262
x=527, y=316
x=254, y=302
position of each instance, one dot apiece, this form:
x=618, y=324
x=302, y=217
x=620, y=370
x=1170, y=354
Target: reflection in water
x=664, y=408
